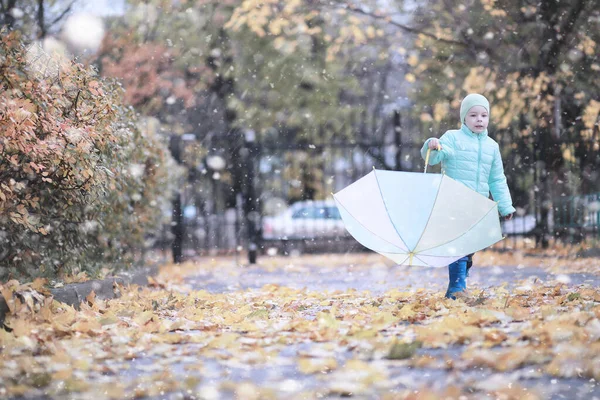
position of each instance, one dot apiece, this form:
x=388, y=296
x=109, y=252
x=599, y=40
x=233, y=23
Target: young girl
x=470, y=156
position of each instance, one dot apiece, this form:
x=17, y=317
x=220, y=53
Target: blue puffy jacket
x=475, y=160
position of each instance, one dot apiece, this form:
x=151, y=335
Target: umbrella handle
x=427, y=159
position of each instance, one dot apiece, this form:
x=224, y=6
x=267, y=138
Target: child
x=471, y=157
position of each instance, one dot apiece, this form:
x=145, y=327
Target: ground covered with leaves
x=312, y=327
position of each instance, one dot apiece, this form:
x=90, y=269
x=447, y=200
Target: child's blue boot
x=457, y=277
x=469, y=263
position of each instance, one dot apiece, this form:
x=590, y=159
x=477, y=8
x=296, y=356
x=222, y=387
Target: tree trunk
x=398, y=139
x=177, y=227
x=7, y=17
x=40, y=20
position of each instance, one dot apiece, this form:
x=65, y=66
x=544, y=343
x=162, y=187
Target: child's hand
x=508, y=217
x=434, y=144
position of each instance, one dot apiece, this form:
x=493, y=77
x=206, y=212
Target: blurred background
x=268, y=107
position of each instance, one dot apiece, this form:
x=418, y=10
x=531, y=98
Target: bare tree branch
x=409, y=29
x=62, y=15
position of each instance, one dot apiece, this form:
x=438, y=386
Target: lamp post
x=177, y=227
x=250, y=203
x=215, y=163
x=176, y=144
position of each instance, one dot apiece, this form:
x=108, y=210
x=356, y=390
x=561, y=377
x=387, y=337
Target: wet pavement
x=282, y=376
x=376, y=279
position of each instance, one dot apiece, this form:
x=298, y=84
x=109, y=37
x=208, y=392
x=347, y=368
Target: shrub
x=80, y=183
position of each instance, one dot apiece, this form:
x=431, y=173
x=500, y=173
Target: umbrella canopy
x=418, y=219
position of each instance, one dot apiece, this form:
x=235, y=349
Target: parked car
x=519, y=225
x=305, y=220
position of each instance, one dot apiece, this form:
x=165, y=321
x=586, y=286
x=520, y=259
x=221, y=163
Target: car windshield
x=310, y=212
x=333, y=213
x=317, y=212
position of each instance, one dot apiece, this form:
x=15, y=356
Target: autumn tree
x=199, y=75
x=536, y=62
x=325, y=75
x=538, y=65
x=177, y=66
x=321, y=68
x=160, y=67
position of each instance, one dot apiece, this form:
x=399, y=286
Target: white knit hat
x=471, y=101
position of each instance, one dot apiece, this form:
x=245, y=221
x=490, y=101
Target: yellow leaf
x=8, y=298
x=406, y=312
x=108, y=319
x=316, y=365
x=358, y=34
x=223, y=341
x=258, y=314
x=62, y=374
x=21, y=327
x=39, y=285
x=326, y=320
x=6, y=338
x=86, y=326
x=64, y=318
x=412, y=60
x=144, y=318
x=365, y=334
x=91, y=298
x=171, y=338
x=371, y=32
x=247, y=326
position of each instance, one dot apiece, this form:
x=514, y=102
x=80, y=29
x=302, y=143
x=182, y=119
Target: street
x=318, y=326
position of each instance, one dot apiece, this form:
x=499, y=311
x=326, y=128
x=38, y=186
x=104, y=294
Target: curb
x=74, y=293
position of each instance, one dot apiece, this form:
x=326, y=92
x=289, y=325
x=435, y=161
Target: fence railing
x=282, y=175
x=573, y=218
x=578, y=215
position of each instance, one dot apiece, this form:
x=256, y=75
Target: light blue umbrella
x=417, y=218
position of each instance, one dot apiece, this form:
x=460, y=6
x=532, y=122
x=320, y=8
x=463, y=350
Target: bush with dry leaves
x=81, y=184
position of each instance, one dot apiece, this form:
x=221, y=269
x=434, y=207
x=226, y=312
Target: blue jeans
x=457, y=277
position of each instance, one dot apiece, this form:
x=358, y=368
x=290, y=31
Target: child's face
x=477, y=119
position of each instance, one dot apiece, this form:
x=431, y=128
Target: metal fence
x=287, y=181
x=284, y=176
x=216, y=215
x=575, y=217
x=295, y=186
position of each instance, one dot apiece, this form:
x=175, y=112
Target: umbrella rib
x=403, y=261
x=461, y=235
x=427, y=264
x=387, y=211
x=415, y=255
x=367, y=229
x=430, y=213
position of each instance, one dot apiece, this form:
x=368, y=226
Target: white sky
x=101, y=7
